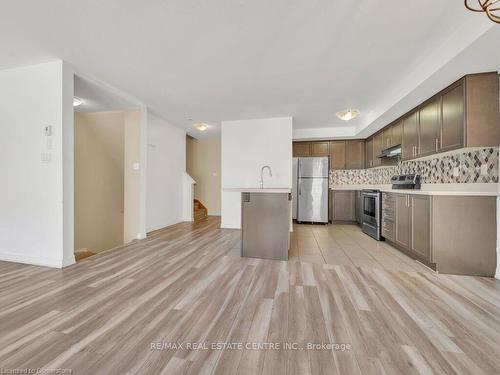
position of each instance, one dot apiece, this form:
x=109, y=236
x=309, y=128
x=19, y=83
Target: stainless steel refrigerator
x=312, y=189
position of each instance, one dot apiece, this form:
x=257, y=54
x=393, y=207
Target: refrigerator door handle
x=300, y=186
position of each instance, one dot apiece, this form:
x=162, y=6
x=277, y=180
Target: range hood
x=391, y=152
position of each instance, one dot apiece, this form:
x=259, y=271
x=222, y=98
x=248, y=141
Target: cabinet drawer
x=388, y=206
x=388, y=198
x=389, y=215
x=388, y=228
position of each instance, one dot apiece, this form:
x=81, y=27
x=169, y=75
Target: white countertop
x=490, y=189
x=258, y=190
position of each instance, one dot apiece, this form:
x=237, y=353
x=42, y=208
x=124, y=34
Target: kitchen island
x=265, y=222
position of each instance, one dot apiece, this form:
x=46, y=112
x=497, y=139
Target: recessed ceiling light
x=348, y=114
x=201, y=126
x=77, y=101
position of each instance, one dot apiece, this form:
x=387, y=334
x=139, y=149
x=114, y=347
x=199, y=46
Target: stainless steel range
x=372, y=210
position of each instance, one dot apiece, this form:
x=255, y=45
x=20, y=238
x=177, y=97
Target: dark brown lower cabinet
x=388, y=216
x=403, y=220
x=343, y=205
x=452, y=234
x=420, y=208
x=413, y=224
x=359, y=207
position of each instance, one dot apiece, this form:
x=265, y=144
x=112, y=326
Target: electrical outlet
x=484, y=169
x=455, y=172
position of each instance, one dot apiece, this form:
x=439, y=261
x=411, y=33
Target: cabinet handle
x=437, y=144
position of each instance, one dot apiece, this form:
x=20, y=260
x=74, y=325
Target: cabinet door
x=403, y=220
x=421, y=226
x=429, y=127
x=387, y=137
x=452, y=128
x=397, y=133
x=337, y=154
x=355, y=154
x=344, y=205
x=369, y=153
x=377, y=149
x=410, y=135
x=320, y=149
x=301, y=149
x=359, y=207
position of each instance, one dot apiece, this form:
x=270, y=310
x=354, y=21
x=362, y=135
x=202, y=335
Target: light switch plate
x=135, y=166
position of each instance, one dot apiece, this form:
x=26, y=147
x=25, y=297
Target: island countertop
x=258, y=190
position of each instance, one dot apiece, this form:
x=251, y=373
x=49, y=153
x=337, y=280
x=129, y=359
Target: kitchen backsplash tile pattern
x=439, y=170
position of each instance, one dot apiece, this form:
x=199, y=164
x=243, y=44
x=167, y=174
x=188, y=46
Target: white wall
x=248, y=145
x=35, y=226
x=166, y=166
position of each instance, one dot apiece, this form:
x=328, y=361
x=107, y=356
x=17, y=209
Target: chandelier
x=487, y=6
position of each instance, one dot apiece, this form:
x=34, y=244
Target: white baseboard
x=225, y=225
x=162, y=226
x=68, y=261
x=36, y=261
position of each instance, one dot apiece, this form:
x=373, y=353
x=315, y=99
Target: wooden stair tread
x=200, y=212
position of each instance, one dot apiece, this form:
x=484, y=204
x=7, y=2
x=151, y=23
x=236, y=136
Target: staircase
x=200, y=211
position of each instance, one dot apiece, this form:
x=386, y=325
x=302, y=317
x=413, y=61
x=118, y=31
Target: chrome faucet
x=262, y=175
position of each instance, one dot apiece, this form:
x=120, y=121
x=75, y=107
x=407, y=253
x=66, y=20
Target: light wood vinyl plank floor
x=187, y=283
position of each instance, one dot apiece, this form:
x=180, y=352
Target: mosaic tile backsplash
x=438, y=170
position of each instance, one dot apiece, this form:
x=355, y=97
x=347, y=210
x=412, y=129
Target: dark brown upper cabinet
x=482, y=113
x=410, y=135
x=369, y=153
x=320, y=148
x=387, y=137
x=355, y=154
x=337, y=154
x=397, y=133
x=301, y=149
x=377, y=148
x=429, y=127
x=453, y=117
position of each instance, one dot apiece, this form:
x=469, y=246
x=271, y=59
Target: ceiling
x=96, y=98
x=209, y=61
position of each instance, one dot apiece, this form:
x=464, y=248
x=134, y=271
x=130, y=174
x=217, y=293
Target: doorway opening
x=106, y=170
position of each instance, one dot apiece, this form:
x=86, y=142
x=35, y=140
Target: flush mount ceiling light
x=201, y=126
x=348, y=114
x=486, y=6
x=77, y=101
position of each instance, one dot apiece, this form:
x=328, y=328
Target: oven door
x=371, y=209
